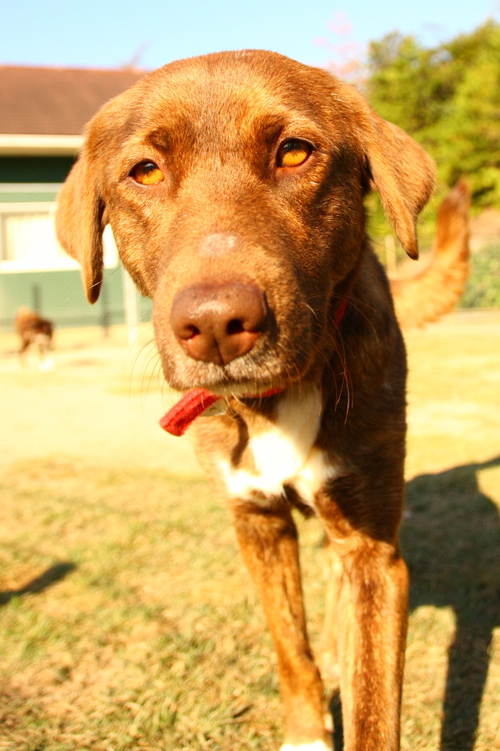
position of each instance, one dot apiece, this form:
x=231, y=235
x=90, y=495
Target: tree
x=448, y=99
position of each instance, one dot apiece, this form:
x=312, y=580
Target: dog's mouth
x=273, y=360
x=224, y=341
x=262, y=370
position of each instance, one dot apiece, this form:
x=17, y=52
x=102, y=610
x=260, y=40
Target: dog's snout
x=218, y=323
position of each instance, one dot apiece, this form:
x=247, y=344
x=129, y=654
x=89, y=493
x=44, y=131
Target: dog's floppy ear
x=399, y=169
x=80, y=224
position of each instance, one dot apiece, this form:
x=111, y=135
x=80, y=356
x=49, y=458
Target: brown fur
x=227, y=214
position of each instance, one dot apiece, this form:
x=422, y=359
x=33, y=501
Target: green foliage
x=483, y=285
x=448, y=99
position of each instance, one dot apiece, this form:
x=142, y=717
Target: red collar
x=193, y=404
x=178, y=419
x=341, y=311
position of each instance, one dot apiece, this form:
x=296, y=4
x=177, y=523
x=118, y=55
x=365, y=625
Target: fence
x=58, y=295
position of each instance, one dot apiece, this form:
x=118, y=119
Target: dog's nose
x=218, y=323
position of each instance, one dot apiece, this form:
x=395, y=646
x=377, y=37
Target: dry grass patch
x=145, y=637
x=145, y=632
x=127, y=621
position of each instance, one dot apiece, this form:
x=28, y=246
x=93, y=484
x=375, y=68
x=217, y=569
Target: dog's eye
x=146, y=173
x=293, y=153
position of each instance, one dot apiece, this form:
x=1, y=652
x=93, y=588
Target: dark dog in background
x=37, y=332
x=234, y=184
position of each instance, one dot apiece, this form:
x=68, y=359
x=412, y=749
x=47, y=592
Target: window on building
x=28, y=239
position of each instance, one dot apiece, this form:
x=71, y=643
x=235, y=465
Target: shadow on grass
x=49, y=577
x=451, y=543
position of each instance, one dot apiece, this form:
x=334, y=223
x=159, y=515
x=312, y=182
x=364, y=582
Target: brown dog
x=36, y=331
x=234, y=184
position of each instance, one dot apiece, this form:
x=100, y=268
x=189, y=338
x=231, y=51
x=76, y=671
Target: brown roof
x=56, y=101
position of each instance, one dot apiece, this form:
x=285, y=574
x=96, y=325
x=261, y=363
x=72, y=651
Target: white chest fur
x=284, y=453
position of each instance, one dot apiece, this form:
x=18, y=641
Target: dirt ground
x=102, y=400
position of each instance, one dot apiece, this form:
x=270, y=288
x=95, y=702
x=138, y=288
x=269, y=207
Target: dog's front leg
x=268, y=542
x=372, y=644
x=371, y=627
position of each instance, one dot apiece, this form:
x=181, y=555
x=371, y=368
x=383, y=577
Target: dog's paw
x=314, y=746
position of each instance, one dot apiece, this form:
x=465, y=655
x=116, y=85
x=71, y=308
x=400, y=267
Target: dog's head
x=234, y=186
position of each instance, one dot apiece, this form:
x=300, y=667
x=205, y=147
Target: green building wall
x=57, y=295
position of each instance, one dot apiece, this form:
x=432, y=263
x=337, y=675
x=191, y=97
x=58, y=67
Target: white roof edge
x=39, y=145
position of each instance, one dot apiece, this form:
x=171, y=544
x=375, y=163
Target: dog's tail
x=427, y=294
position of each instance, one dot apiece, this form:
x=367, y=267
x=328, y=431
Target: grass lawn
x=127, y=620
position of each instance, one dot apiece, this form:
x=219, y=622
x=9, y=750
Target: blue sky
x=111, y=33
